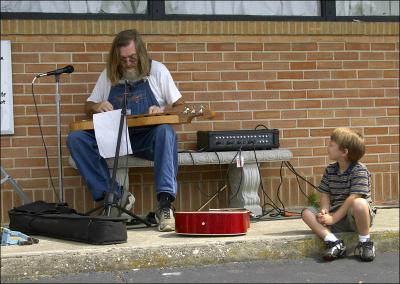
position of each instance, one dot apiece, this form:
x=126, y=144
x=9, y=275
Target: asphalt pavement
x=384, y=269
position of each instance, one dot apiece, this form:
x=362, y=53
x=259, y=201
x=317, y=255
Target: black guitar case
x=57, y=220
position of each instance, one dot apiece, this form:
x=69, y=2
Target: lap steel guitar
x=186, y=116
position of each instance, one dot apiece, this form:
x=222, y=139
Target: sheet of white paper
x=106, y=126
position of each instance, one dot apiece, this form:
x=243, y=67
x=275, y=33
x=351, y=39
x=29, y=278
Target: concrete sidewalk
x=147, y=247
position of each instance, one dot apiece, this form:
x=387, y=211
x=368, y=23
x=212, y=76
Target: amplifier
x=234, y=139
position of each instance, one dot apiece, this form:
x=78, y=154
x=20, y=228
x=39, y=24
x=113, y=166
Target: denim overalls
x=155, y=143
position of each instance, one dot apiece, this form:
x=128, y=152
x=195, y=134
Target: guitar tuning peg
x=186, y=110
x=202, y=109
x=193, y=111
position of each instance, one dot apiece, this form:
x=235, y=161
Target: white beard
x=132, y=74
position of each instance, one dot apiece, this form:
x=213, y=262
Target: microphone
x=66, y=69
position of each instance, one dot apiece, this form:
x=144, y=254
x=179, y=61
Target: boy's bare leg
x=311, y=220
x=360, y=211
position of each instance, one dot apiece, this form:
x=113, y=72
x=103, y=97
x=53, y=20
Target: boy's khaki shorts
x=347, y=223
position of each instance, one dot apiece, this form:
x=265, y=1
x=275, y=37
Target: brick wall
x=303, y=78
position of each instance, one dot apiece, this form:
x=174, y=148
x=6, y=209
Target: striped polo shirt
x=355, y=180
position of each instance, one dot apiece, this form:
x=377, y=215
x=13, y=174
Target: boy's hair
x=350, y=140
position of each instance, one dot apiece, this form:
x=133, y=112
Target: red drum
x=228, y=221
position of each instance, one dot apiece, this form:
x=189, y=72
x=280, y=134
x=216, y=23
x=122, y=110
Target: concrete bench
x=247, y=177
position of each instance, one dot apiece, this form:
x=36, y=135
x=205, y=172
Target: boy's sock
x=330, y=238
x=363, y=239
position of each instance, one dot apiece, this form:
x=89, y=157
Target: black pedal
x=233, y=140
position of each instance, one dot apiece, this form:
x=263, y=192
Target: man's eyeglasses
x=131, y=58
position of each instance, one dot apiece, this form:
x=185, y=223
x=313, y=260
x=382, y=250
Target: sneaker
x=365, y=251
x=130, y=200
x=334, y=250
x=165, y=219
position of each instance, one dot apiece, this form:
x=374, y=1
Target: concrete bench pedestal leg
x=244, y=183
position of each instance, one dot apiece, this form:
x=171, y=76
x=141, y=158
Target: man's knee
x=165, y=130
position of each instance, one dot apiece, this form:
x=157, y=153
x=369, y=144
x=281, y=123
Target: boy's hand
x=325, y=219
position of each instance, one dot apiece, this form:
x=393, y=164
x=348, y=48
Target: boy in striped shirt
x=345, y=200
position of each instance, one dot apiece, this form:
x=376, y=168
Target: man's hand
x=102, y=107
x=155, y=109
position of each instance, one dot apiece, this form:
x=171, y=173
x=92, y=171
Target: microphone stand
x=109, y=200
x=59, y=152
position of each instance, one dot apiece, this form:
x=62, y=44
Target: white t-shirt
x=160, y=81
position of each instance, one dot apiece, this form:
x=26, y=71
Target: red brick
x=346, y=56
x=266, y=114
x=346, y=93
x=385, y=83
x=302, y=65
x=381, y=64
x=332, y=84
x=265, y=56
x=355, y=64
x=382, y=46
x=230, y=76
x=357, y=46
x=320, y=56
x=37, y=47
x=249, y=46
x=252, y=105
x=329, y=65
x=237, y=56
x=86, y=57
x=305, y=85
x=295, y=94
x=279, y=104
x=285, y=114
x=209, y=56
x=192, y=66
x=238, y=115
x=94, y=47
x=206, y=76
x=372, y=56
x=191, y=47
x=198, y=86
x=343, y=74
x=276, y=46
x=294, y=133
x=70, y=47
x=292, y=56
x=305, y=46
x=324, y=46
x=221, y=66
x=178, y=57
x=279, y=85
x=318, y=94
x=251, y=85
x=248, y=66
x=308, y=104
x=161, y=47
x=276, y=65
x=337, y=122
x=315, y=113
x=290, y=75
x=361, y=103
x=25, y=57
x=387, y=102
x=220, y=46
x=213, y=86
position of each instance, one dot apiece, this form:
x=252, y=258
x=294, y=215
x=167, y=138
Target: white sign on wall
x=6, y=99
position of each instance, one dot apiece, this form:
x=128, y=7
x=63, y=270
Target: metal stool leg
x=24, y=197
